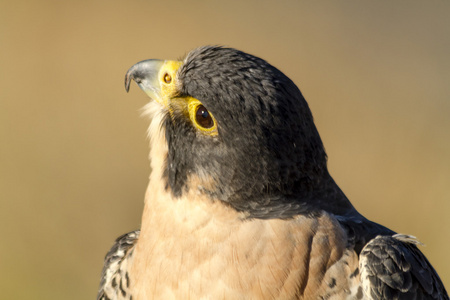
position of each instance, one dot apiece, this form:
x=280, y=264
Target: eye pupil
x=167, y=78
x=203, y=117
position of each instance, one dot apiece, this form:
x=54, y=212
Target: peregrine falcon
x=240, y=203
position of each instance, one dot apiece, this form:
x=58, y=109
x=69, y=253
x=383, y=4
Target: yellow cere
x=168, y=71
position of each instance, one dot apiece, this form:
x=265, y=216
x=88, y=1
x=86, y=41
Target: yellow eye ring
x=201, y=118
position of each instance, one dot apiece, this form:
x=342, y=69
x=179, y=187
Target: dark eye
x=167, y=78
x=203, y=117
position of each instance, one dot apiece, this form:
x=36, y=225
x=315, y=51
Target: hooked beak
x=146, y=75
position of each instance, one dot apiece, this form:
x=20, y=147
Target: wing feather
x=114, y=281
x=392, y=267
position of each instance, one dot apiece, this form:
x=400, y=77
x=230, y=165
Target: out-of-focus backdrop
x=73, y=152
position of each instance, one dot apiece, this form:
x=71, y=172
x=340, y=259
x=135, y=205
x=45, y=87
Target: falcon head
x=239, y=126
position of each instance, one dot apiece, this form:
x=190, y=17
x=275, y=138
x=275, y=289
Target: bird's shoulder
x=114, y=282
x=392, y=267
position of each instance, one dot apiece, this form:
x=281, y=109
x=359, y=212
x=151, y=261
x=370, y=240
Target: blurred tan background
x=73, y=153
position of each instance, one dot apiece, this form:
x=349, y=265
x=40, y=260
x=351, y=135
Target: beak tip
x=127, y=81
